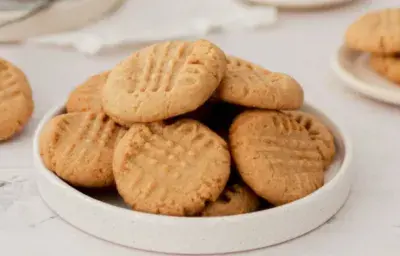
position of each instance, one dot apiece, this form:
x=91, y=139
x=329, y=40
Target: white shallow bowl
x=299, y=3
x=104, y=215
x=353, y=68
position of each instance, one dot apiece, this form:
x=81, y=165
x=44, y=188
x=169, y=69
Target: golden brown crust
x=318, y=132
x=235, y=199
x=387, y=66
x=87, y=96
x=16, y=103
x=375, y=32
x=162, y=81
x=275, y=156
x=250, y=85
x=79, y=148
x=171, y=169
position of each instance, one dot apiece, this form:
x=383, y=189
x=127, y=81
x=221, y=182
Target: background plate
x=353, y=68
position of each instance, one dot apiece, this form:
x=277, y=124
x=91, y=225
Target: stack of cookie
x=16, y=103
x=378, y=33
x=182, y=129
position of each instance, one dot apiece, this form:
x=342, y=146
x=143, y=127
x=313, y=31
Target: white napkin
x=142, y=21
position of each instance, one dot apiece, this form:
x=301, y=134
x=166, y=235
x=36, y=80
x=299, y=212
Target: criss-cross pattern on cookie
x=163, y=80
x=171, y=169
x=275, y=156
x=80, y=147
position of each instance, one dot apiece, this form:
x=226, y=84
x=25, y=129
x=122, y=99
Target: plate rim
x=351, y=81
x=298, y=4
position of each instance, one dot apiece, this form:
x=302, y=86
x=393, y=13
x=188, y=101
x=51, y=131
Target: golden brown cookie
x=87, y=96
x=162, y=81
x=376, y=32
x=16, y=104
x=250, y=85
x=275, y=156
x=79, y=148
x=235, y=199
x=171, y=169
x=318, y=132
x=387, y=66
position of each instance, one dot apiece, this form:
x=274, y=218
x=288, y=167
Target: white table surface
x=300, y=44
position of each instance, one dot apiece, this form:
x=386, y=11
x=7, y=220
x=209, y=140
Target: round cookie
x=171, y=169
x=318, y=132
x=87, y=96
x=79, y=148
x=250, y=85
x=275, y=156
x=376, y=32
x=387, y=66
x=235, y=199
x=16, y=104
x=162, y=81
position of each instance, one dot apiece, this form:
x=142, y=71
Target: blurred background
x=60, y=43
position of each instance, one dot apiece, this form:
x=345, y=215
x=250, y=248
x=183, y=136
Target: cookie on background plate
x=79, y=148
x=318, y=132
x=250, y=85
x=375, y=32
x=235, y=199
x=87, y=96
x=171, y=169
x=16, y=103
x=275, y=156
x=163, y=80
x=387, y=66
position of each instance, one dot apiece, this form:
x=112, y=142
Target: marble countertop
x=300, y=44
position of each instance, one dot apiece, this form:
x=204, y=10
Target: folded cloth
x=140, y=21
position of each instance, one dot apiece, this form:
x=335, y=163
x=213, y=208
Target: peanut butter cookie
x=16, y=104
x=275, y=156
x=87, y=96
x=250, y=85
x=235, y=199
x=79, y=148
x=171, y=169
x=376, y=32
x=387, y=66
x=162, y=81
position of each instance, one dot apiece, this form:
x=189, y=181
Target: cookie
x=318, y=132
x=250, y=85
x=87, y=96
x=162, y=81
x=16, y=104
x=376, y=32
x=171, y=169
x=275, y=156
x=79, y=148
x=235, y=199
x=387, y=66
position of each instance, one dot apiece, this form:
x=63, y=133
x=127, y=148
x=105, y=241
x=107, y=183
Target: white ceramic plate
x=104, y=215
x=55, y=19
x=299, y=3
x=353, y=68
